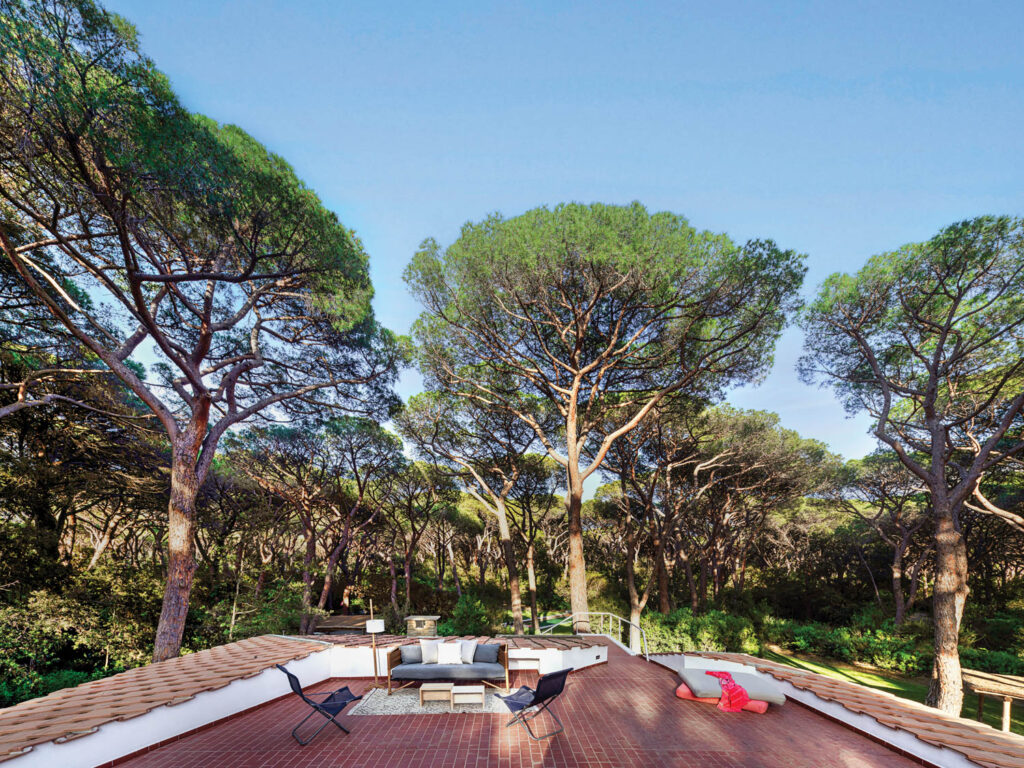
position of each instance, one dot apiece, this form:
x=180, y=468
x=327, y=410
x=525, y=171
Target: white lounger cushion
x=708, y=687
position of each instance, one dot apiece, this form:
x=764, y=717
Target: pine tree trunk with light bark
x=181, y=563
x=577, y=566
x=950, y=595
x=531, y=577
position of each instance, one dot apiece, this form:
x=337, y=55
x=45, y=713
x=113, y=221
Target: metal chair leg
x=524, y=721
x=330, y=719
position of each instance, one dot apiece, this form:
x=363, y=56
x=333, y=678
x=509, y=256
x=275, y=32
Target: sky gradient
x=838, y=129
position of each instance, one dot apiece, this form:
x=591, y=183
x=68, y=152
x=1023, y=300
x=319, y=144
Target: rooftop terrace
x=619, y=713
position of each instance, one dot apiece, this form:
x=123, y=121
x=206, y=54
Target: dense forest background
x=200, y=439
x=828, y=558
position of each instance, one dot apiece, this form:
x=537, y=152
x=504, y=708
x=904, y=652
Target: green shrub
x=394, y=620
x=1002, y=630
x=884, y=646
x=20, y=684
x=469, y=618
x=997, y=662
x=684, y=630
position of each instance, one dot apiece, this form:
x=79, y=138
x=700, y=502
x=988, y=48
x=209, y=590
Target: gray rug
x=377, y=702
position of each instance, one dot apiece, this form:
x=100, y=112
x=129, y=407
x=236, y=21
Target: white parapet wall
x=118, y=739
x=545, y=660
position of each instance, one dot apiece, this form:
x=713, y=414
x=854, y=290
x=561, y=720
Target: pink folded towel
x=734, y=697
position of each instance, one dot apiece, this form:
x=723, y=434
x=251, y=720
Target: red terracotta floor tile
x=622, y=714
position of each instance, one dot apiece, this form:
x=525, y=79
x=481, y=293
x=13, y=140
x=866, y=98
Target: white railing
x=605, y=621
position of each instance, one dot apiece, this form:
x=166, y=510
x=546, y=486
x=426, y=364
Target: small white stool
x=467, y=694
x=436, y=692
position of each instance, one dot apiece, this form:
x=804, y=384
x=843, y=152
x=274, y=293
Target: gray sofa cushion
x=487, y=653
x=474, y=671
x=707, y=687
x=412, y=654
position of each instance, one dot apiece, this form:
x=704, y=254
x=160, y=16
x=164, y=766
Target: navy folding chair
x=527, y=703
x=330, y=707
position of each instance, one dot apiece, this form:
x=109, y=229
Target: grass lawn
x=914, y=688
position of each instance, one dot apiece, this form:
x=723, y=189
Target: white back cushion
x=429, y=648
x=449, y=653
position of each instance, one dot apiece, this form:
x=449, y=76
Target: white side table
x=467, y=694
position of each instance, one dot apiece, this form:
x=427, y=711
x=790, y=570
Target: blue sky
x=837, y=129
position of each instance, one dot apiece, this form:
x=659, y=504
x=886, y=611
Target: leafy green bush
x=277, y=610
x=884, y=647
x=100, y=623
x=683, y=630
x=907, y=649
x=469, y=618
x=997, y=662
x=394, y=620
x=1003, y=630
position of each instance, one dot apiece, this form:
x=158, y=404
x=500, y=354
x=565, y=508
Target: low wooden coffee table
x=436, y=692
x=467, y=694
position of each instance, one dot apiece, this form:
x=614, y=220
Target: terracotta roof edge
x=299, y=638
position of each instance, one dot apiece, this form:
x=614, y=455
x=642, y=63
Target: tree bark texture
x=181, y=564
x=531, y=578
x=577, y=564
x=950, y=595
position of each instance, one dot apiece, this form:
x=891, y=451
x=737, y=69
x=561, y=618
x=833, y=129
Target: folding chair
x=549, y=688
x=330, y=707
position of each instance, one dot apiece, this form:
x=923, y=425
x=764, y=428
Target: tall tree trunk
x=871, y=576
x=439, y=567
x=661, y=569
x=394, y=583
x=346, y=599
x=181, y=564
x=101, y=545
x=332, y=564
x=691, y=582
x=702, y=586
x=513, y=585
x=408, y=580
x=455, y=569
x=897, y=586
x=511, y=566
x=577, y=564
x=636, y=603
x=306, y=624
x=238, y=588
x=915, y=578
x=531, y=579
x=950, y=594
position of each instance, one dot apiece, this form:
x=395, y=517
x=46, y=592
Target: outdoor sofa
x=489, y=664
